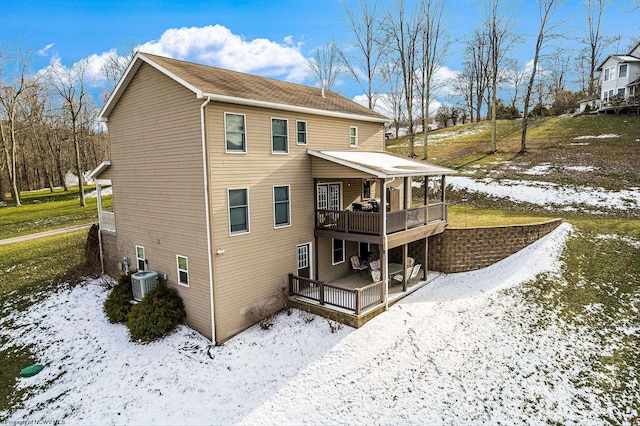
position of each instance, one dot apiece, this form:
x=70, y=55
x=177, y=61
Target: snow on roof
x=382, y=164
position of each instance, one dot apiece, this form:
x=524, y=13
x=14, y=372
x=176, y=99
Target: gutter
x=207, y=203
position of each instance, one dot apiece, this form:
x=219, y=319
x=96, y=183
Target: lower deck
x=352, y=299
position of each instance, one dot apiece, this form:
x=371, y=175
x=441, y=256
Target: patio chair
x=416, y=271
x=356, y=265
x=376, y=275
x=410, y=261
x=374, y=265
x=400, y=277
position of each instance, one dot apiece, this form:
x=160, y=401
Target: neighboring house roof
x=619, y=58
x=382, y=164
x=245, y=89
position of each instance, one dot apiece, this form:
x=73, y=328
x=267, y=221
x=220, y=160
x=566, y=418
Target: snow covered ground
x=458, y=351
x=550, y=194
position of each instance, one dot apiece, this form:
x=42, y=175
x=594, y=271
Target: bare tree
x=434, y=44
x=114, y=67
x=402, y=30
x=10, y=96
x=499, y=24
x=514, y=76
x=69, y=85
x=477, y=69
x=393, y=100
x=547, y=9
x=596, y=43
x=326, y=66
x=364, y=66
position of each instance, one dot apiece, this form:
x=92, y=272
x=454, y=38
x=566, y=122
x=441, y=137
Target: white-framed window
x=279, y=136
x=303, y=261
x=183, y=270
x=238, y=211
x=353, y=136
x=337, y=248
x=281, y=206
x=141, y=260
x=621, y=91
x=301, y=132
x=235, y=133
x=622, y=71
x=609, y=74
x=328, y=196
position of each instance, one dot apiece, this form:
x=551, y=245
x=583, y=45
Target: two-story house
x=236, y=187
x=620, y=80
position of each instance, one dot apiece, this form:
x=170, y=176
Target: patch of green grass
x=37, y=265
x=470, y=216
x=598, y=296
x=52, y=212
x=13, y=359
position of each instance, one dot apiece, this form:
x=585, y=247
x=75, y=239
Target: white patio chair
x=374, y=265
x=356, y=265
x=416, y=271
x=410, y=261
x=400, y=277
x=376, y=275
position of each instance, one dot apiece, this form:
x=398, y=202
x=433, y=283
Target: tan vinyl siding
x=254, y=266
x=324, y=169
x=157, y=175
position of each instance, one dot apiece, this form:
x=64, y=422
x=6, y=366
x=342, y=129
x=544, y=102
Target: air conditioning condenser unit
x=143, y=282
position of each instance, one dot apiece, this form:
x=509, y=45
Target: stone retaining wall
x=467, y=249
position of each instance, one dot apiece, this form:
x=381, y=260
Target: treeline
x=48, y=125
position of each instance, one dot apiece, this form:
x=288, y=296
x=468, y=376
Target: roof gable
x=245, y=89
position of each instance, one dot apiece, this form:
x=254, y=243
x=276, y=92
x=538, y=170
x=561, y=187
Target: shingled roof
x=246, y=89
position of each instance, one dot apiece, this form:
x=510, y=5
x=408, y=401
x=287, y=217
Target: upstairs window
x=622, y=71
x=235, y=135
x=183, y=270
x=353, y=136
x=279, y=136
x=609, y=74
x=301, y=128
x=238, y=211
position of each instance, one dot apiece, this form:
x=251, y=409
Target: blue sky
x=271, y=38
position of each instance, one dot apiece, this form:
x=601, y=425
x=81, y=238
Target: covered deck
x=386, y=203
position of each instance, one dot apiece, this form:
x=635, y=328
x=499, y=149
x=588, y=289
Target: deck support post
x=405, y=255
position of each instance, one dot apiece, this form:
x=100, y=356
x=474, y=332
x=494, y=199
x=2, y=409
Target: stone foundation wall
x=467, y=249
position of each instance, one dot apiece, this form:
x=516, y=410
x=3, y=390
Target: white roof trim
x=378, y=173
x=98, y=170
x=126, y=78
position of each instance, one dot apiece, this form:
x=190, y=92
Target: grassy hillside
x=565, y=144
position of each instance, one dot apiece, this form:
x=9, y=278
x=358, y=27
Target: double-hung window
x=353, y=136
x=238, y=211
x=609, y=74
x=141, y=259
x=301, y=129
x=279, y=136
x=281, y=206
x=235, y=134
x=183, y=270
x=622, y=72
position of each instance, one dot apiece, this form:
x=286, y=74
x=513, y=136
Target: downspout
x=99, y=193
x=205, y=169
x=383, y=198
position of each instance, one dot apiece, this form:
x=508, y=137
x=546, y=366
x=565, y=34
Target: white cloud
x=216, y=45
x=43, y=51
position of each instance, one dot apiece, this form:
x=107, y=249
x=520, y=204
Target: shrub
x=262, y=314
x=159, y=312
x=118, y=303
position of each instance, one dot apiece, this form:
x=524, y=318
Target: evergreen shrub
x=159, y=312
x=118, y=303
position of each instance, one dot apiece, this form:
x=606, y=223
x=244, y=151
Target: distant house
x=620, y=82
x=237, y=188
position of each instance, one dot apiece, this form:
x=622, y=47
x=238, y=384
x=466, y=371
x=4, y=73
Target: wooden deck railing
x=356, y=300
x=369, y=222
